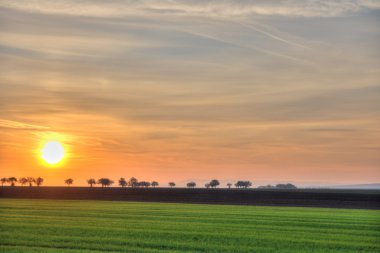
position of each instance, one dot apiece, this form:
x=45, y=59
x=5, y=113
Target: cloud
x=273, y=36
x=194, y=83
x=20, y=125
x=310, y=8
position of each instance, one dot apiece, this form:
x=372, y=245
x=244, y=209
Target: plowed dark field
x=364, y=199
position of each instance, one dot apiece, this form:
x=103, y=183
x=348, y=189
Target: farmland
x=30, y=225
x=363, y=199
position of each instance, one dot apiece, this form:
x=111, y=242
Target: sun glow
x=53, y=152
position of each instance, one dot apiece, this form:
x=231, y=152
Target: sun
x=53, y=152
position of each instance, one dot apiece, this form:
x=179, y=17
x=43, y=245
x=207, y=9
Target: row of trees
x=243, y=184
x=133, y=182
x=239, y=184
x=22, y=181
x=106, y=182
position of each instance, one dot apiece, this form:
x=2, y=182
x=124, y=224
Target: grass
x=105, y=226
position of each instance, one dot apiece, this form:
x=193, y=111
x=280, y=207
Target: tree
x=39, y=181
x=191, y=184
x=154, y=184
x=122, y=182
x=105, y=182
x=214, y=183
x=207, y=186
x=3, y=181
x=144, y=184
x=23, y=181
x=69, y=181
x=12, y=180
x=91, y=182
x=30, y=180
x=229, y=185
x=243, y=184
x=132, y=182
x=171, y=184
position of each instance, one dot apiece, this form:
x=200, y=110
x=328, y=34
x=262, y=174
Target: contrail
x=251, y=47
x=251, y=26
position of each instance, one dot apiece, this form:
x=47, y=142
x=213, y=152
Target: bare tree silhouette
x=23, y=181
x=154, y=183
x=91, y=182
x=122, y=182
x=39, y=181
x=132, y=182
x=3, y=181
x=30, y=180
x=229, y=185
x=105, y=182
x=171, y=184
x=69, y=181
x=12, y=180
x=243, y=184
x=191, y=184
x=214, y=183
x=143, y=184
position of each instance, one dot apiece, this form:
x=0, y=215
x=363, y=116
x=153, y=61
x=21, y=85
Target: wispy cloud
x=310, y=8
x=273, y=36
x=20, y=125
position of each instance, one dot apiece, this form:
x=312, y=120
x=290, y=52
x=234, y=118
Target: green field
x=101, y=226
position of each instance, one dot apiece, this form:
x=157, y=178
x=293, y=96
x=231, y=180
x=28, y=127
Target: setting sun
x=53, y=152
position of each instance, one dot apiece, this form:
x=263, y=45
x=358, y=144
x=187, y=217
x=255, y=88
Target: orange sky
x=266, y=92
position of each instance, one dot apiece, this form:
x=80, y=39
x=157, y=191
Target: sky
x=267, y=91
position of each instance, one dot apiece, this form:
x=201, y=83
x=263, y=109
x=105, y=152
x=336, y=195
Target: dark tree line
x=22, y=181
x=243, y=184
x=134, y=182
